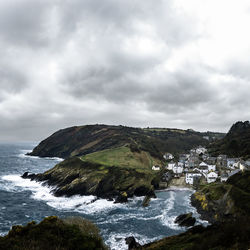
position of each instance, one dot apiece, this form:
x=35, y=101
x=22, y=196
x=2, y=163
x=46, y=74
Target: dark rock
x=185, y=220
x=144, y=190
x=146, y=201
x=132, y=243
x=197, y=229
x=25, y=175
x=121, y=198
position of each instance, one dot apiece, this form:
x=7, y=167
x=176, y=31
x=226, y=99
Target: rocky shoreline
x=76, y=177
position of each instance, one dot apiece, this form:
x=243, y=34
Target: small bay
x=22, y=200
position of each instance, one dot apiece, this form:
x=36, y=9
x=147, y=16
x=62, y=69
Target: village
x=199, y=167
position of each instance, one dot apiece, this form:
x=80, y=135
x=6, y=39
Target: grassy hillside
x=123, y=157
x=235, y=144
x=106, y=173
x=82, y=140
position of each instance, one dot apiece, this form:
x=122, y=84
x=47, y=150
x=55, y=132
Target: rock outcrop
x=132, y=243
x=224, y=201
x=185, y=220
x=74, y=176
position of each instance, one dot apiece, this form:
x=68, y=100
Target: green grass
x=122, y=157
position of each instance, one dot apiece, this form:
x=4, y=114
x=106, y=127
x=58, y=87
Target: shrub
x=53, y=233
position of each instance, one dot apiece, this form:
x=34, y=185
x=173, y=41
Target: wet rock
x=121, y=198
x=132, y=243
x=26, y=175
x=185, y=220
x=146, y=201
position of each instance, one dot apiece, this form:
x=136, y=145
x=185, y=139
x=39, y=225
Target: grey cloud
x=181, y=91
x=12, y=81
x=74, y=62
x=23, y=23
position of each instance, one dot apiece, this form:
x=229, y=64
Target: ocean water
x=23, y=200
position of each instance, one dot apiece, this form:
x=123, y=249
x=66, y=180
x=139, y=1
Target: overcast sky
x=161, y=63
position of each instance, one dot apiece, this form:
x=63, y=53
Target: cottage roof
x=203, y=164
x=224, y=175
x=203, y=167
x=194, y=172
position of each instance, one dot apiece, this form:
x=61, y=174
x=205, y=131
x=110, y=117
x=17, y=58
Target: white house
x=156, y=168
x=171, y=165
x=243, y=166
x=201, y=150
x=180, y=164
x=168, y=156
x=211, y=168
x=202, y=164
x=178, y=169
x=211, y=177
x=203, y=169
x=190, y=176
x=232, y=162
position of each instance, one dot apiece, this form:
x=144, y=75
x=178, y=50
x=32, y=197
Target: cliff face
x=224, y=201
x=236, y=143
x=82, y=140
x=75, y=176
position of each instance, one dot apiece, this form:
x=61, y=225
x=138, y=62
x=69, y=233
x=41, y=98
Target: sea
x=22, y=201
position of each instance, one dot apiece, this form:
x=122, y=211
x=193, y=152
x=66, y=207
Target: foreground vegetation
x=54, y=234
x=223, y=236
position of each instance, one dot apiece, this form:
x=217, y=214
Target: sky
x=143, y=63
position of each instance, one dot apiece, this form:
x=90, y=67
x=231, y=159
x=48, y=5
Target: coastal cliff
x=110, y=161
x=224, y=201
x=108, y=174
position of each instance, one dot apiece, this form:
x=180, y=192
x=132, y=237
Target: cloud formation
x=139, y=63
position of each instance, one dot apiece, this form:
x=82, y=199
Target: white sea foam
x=24, y=152
x=167, y=218
x=116, y=241
x=77, y=203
